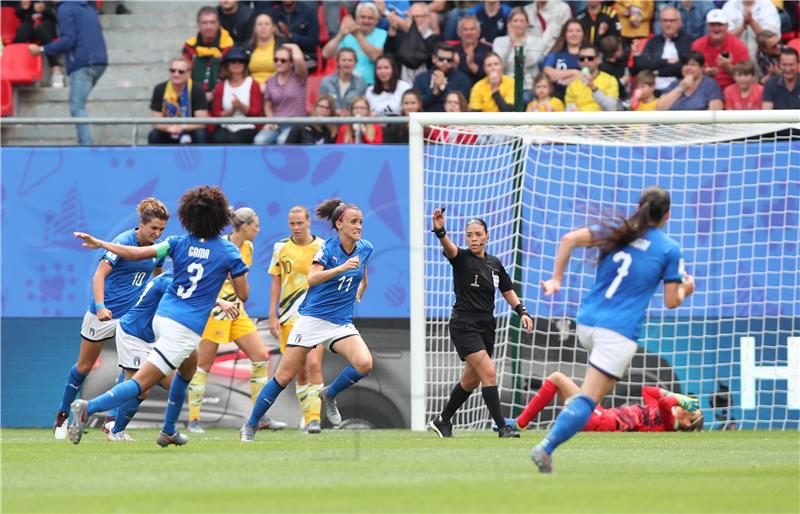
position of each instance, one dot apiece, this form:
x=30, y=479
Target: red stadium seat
x=312, y=91
x=18, y=66
x=324, y=36
x=6, y=98
x=8, y=24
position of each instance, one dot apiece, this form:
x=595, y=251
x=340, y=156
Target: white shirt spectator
x=764, y=13
x=670, y=52
x=534, y=52
x=547, y=21
x=242, y=91
x=386, y=103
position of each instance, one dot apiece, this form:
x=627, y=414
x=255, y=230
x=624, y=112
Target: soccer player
x=635, y=255
x=116, y=285
x=662, y=410
x=336, y=280
x=476, y=276
x=202, y=261
x=291, y=261
x=221, y=329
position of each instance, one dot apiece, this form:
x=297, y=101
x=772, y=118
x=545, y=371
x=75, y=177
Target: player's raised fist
x=352, y=263
x=550, y=286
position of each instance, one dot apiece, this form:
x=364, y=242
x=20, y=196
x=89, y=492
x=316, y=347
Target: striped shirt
x=288, y=99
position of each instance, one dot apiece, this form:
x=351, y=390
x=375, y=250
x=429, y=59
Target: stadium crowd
x=393, y=57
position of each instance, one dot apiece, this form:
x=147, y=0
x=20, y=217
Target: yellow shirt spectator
x=262, y=63
x=580, y=95
x=647, y=106
x=635, y=17
x=554, y=104
x=480, y=98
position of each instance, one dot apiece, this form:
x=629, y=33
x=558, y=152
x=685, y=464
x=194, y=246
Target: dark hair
x=463, y=105
x=447, y=47
x=203, y=211
x=744, y=68
x=561, y=42
x=589, y=46
x=696, y=426
x=254, y=39
x=150, y=208
x=653, y=206
x=207, y=9
x=542, y=76
x=414, y=93
x=788, y=50
x=333, y=209
x=492, y=54
x=609, y=45
x=694, y=55
x=346, y=50
x=377, y=86
x=478, y=221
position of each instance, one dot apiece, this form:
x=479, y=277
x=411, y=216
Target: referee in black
x=476, y=275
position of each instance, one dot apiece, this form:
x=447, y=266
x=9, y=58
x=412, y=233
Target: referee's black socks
x=492, y=400
x=457, y=399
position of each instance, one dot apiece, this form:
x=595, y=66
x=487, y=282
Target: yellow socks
x=258, y=377
x=197, y=390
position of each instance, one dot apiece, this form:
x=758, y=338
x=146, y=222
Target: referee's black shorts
x=471, y=333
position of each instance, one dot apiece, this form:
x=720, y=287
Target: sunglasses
x=176, y=70
x=587, y=58
x=444, y=59
x=282, y=60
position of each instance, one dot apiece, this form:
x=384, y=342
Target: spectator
x=316, y=134
x=385, y=95
x=721, y=50
x=397, y=133
x=494, y=92
x=492, y=16
x=363, y=36
x=38, y=22
x=81, y=39
x=544, y=100
x=284, y=93
x=455, y=10
x=561, y=65
x=237, y=96
x=643, y=97
x=593, y=90
x=693, y=16
x=412, y=41
x=174, y=98
x=433, y=85
x=366, y=133
x=470, y=49
x=343, y=85
x=662, y=53
x=546, y=21
x=746, y=18
x=614, y=62
x=695, y=91
x=745, y=94
x=453, y=102
x=634, y=18
x=237, y=20
x=518, y=35
x=206, y=49
x=262, y=49
x=297, y=23
x=783, y=91
x=769, y=52
x=598, y=20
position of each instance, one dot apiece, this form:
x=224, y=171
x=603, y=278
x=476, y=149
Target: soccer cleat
x=247, y=434
x=60, y=426
x=119, y=436
x=267, y=423
x=313, y=427
x=79, y=420
x=441, y=428
x=178, y=439
x=195, y=427
x=507, y=431
x=331, y=410
x=541, y=458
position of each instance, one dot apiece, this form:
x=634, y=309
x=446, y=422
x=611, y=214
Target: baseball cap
x=716, y=16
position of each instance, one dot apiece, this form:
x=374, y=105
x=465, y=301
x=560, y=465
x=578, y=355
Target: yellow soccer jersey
x=227, y=293
x=292, y=263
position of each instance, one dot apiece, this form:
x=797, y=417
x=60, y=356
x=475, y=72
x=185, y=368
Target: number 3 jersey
x=333, y=299
x=200, y=266
x=124, y=283
x=626, y=280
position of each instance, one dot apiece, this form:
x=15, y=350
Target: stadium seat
x=8, y=24
x=6, y=98
x=324, y=36
x=312, y=90
x=18, y=66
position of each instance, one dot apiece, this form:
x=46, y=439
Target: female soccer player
x=635, y=255
x=291, y=261
x=202, y=261
x=662, y=410
x=221, y=329
x=476, y=275
x=116, y=285
x=336, y=280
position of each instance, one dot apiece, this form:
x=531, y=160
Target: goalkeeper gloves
x=686, y=402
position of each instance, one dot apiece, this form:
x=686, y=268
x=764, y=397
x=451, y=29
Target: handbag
x=413, y=52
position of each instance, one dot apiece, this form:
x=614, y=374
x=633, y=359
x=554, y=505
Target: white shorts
x=131, y=351
x=92, y=329
x=310, y=332
x=174, y=342
x=610, y=352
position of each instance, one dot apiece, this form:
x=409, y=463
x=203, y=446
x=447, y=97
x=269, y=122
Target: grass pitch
x=401, y=471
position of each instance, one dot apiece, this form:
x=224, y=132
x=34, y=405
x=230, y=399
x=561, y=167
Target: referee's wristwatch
x=440, y=232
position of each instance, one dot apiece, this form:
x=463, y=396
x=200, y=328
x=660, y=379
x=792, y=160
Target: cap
x=235, y=54
x=717, y=16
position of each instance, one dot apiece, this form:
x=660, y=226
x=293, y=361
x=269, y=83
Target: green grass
x=401, y=471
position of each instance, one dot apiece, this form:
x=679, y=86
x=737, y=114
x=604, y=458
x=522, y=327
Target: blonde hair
x=150, y=208
x=300, y=208
x=242, y=216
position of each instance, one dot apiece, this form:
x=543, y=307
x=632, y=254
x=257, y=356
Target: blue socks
x=118, y=395
x=346, y=378
x=115, y=411
x=71, y=389
x=177, y=394
x=265, y=399
x=569, y=422
x=125, y=414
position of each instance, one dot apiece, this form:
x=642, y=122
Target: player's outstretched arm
x=133, y=253
x=580, y=237
x=450, y=249
x=676, y=292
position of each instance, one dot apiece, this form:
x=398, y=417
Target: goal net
x=734, y=179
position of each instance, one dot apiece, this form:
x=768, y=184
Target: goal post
x=734, y=177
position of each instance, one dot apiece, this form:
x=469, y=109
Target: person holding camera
x=721, y=49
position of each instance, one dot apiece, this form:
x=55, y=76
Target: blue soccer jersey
x=626, y=280
x=200, y=267
x=138, y=321
x=124, y=283
x=333, y=299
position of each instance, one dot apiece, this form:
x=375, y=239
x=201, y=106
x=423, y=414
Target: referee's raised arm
x=450, y=249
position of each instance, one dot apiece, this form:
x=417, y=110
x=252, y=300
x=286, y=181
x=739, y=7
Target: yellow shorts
x=285, y=331
x=225, y=330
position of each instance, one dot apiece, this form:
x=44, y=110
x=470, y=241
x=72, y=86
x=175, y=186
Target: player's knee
x=363, y=364
x=470, y=384
x=84, y=366
x=557, y=377
x=284, y=376
x=313, y=369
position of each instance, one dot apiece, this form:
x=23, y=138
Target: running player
x=221, y=329
x=635, y=255
x=336, y=280
x=202, y=261
x=116, y=285
x=291, y=261
x=476, y=276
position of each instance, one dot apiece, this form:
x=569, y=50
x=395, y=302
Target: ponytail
x=654, y=204
x=333, y=210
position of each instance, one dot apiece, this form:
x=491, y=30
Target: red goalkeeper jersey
x=655, y=415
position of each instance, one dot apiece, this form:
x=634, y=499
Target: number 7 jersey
x=626, y=280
